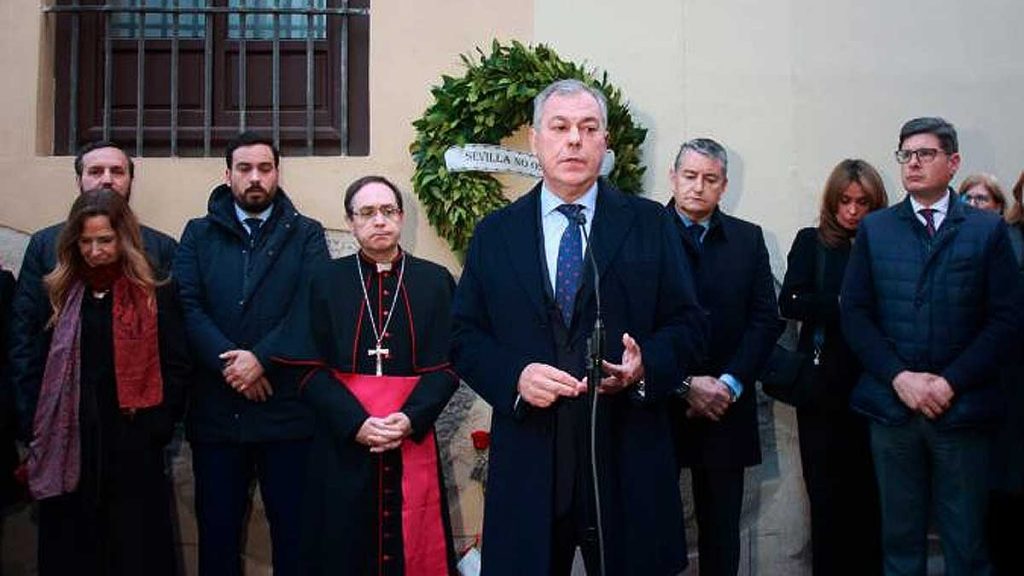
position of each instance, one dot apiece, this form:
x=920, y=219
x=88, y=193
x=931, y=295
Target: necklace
x=378, y=351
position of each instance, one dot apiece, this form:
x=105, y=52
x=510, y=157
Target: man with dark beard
x=238, y=268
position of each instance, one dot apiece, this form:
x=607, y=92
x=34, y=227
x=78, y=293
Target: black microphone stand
x=595, y=350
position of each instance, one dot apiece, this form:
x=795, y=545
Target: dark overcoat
x=501, y=325
x=735, y=287
x=118, y=519
x=8, y=450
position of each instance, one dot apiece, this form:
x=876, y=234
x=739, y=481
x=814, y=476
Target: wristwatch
x=684, y=388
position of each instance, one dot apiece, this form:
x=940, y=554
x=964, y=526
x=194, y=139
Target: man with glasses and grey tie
x=928, y=305
x=523, y=311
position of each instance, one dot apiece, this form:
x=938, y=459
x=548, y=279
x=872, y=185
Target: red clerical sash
x=425, y=549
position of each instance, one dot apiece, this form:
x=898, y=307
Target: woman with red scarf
x=111, y=389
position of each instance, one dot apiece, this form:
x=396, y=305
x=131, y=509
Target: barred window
x=292, y=27
x=181, y=77
x=190, y=25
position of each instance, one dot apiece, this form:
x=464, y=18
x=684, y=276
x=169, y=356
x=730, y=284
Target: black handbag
x=791, y=375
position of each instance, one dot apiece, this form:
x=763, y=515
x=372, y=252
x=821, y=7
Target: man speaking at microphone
x=523, y=311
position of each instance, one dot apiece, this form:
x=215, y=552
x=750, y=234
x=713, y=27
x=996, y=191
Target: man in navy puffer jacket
x=238, y=269
x=928, y=305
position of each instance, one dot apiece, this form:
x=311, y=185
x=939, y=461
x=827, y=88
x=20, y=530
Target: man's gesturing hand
x=625, y=374
x=541, y=384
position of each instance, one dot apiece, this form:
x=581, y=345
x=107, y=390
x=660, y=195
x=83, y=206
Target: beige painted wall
x=412, y=44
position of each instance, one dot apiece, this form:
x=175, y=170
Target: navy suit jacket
x=735, y=286
x=501, y=324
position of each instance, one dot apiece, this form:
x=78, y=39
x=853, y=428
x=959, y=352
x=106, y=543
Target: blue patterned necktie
x=569, y=273
x=253, y=224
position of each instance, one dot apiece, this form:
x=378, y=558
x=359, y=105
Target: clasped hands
x=541, y=384
x=244, y=373
x=383, y=434
x=923, y=392
x=708, y=397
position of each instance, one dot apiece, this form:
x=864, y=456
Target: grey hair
x=567, y=87
x=705, y=147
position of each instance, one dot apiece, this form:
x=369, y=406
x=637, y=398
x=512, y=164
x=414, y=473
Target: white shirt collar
x=942, y=206
x=549, y=202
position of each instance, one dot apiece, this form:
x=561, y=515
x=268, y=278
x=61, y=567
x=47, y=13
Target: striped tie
x=929, y=220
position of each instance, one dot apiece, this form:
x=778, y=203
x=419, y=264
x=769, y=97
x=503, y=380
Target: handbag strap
x=818, y=336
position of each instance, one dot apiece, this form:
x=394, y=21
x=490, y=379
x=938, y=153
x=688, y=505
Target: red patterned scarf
x=54, y=462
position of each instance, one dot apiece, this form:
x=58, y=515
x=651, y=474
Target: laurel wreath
x=490, y=102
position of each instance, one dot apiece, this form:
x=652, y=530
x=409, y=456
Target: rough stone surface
x=12, y=248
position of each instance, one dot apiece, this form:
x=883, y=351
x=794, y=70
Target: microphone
x=595, y=348
x=581, y=221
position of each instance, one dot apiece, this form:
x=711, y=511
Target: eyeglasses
x=388, y=211
x=924, y=155
x=977, y=198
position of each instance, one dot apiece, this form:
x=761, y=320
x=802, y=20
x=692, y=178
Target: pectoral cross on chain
x=380, y=353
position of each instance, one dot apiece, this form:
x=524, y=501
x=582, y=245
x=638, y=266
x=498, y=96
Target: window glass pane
x=159, y=25
x=291, y=26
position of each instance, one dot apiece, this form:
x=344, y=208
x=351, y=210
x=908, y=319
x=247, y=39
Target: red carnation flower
x=481, y=439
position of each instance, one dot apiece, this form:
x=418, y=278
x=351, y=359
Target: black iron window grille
x=181, y=77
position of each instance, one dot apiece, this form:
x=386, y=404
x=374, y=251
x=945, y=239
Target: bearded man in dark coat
x=371, y=333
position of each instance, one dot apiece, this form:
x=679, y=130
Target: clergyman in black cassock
x=374, y=509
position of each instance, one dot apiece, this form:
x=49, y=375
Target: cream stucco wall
x=412, y=44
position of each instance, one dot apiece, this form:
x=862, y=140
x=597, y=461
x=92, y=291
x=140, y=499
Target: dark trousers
x=922, y=469
x=1005, y=513
x=846, y=526
x=224, y=473
x=575, y=523
x=571, y=530
x=717, y=502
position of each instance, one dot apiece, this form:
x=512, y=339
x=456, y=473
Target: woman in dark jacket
x=111, y=390
x=1006, y=499
x=834, y=449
